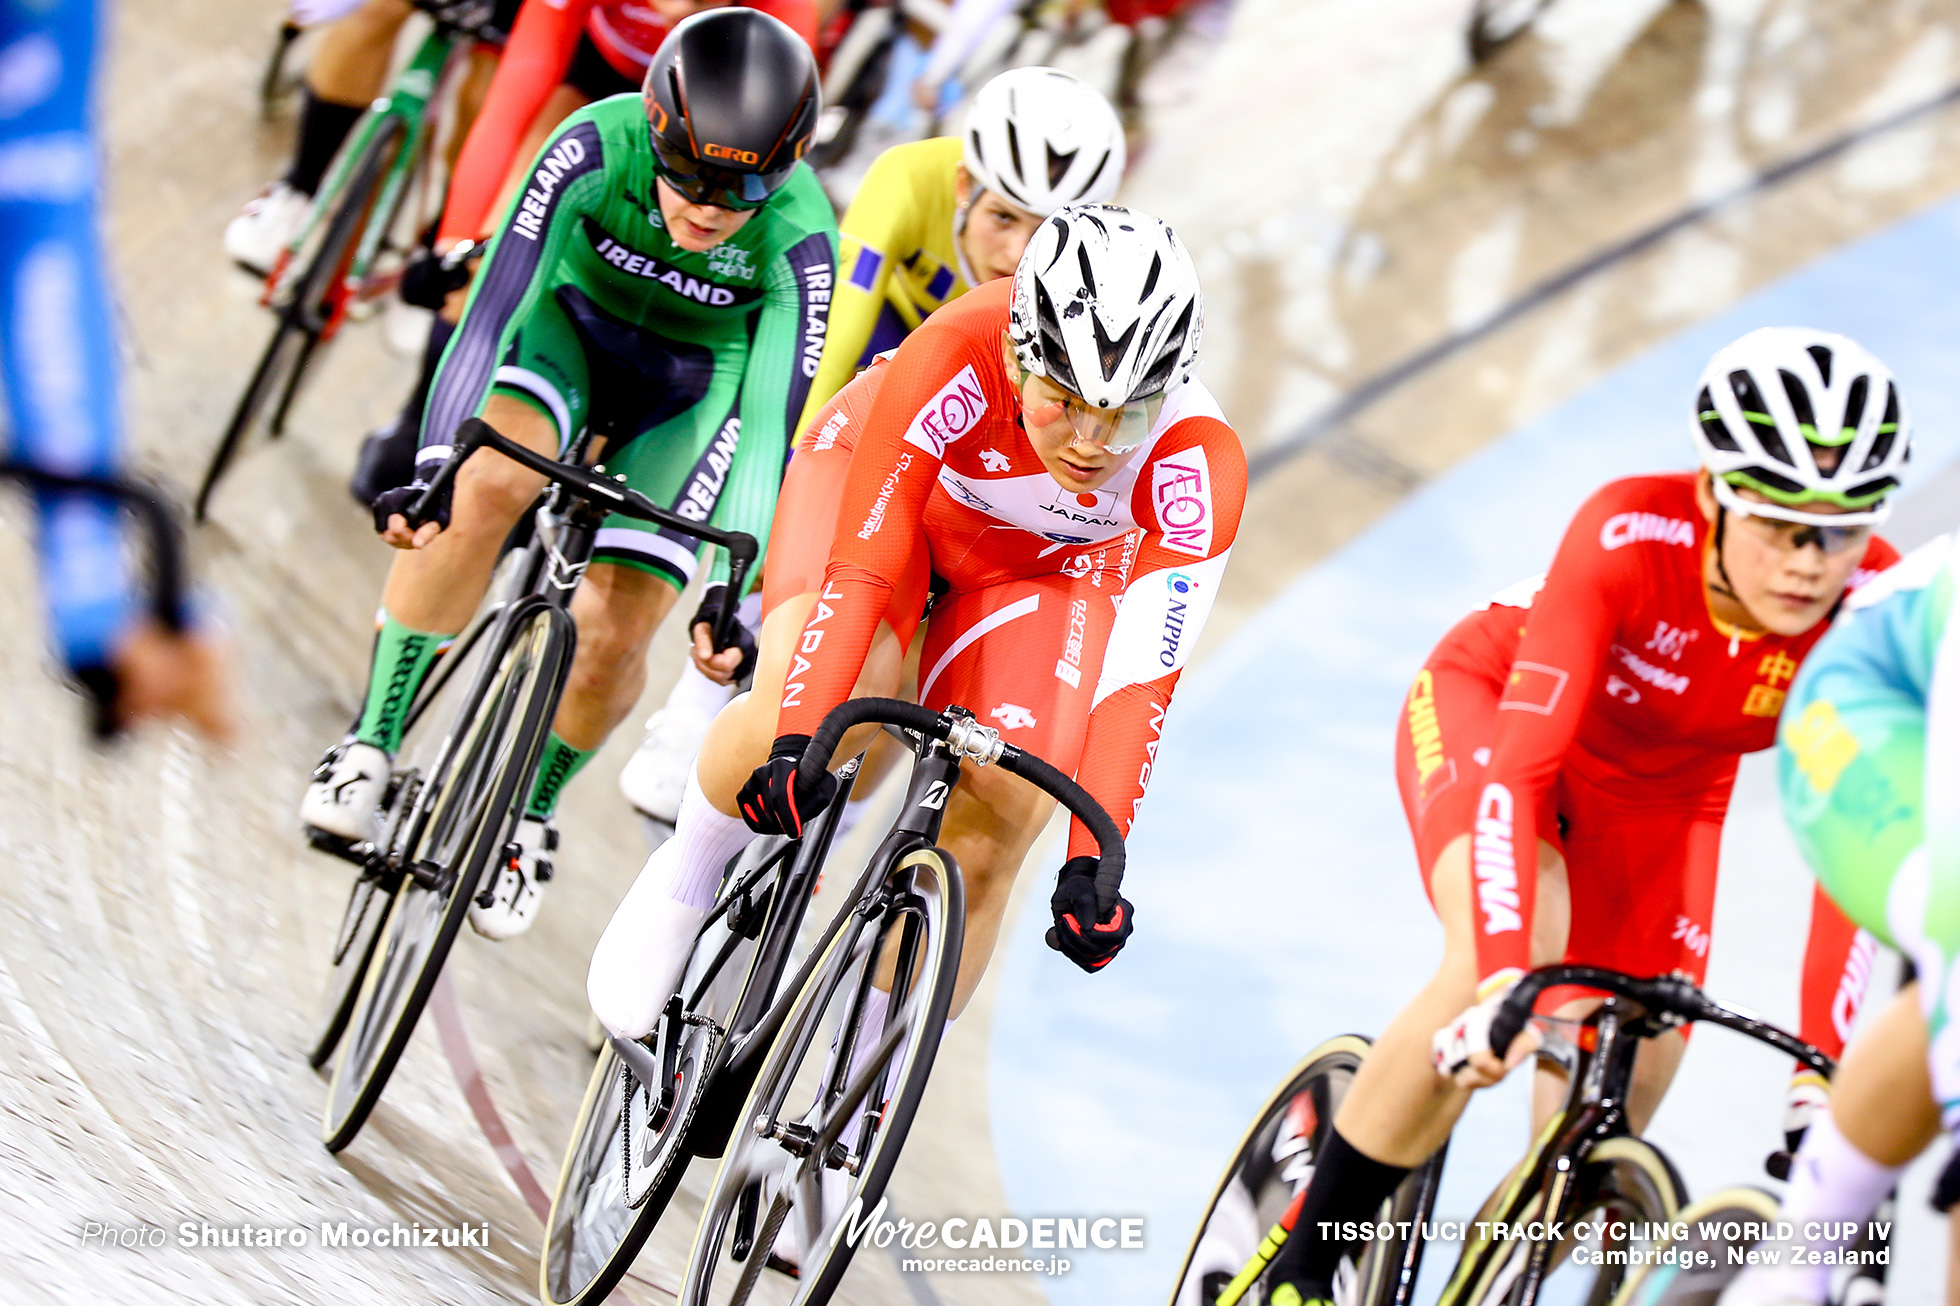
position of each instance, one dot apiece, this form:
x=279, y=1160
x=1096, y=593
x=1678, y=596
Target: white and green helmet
x=1803, y=417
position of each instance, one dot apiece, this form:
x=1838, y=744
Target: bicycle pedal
x=357, y=851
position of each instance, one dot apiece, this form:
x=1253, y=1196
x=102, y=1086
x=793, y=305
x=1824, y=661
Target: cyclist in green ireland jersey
x=1869, y=756
x=664, y=279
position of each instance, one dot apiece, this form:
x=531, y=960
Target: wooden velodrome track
x=1355, y=194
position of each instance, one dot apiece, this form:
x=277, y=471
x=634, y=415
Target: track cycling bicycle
x=809, y=1128
x=458, y=788
x=383, y=188
x=1585, y=1168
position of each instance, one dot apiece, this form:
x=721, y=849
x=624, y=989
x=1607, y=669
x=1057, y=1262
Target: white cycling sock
x=704, y=840
x=641, y=956
x=695, y=695
x=1833, y=1186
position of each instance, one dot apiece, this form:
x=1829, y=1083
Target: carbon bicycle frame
x=765, y=1005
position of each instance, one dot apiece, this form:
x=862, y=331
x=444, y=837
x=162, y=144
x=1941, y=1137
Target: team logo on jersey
x=949, y=414
x=1180, y=490
x=1084, y=508
x=1426, y=739
x=965, y=493
x=1068, y=667
x=1644, y=527
x=1671, y=641
x=1495, y=862
x=994, y=460
x=1533, y=687
x=560, y=161
x=731, y=260
x=1012, y=717
x=1660, y=678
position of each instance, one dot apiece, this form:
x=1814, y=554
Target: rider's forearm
x=535, y=231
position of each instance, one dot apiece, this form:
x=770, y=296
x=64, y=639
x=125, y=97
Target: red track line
x=469, y=1078
x=476, y=1091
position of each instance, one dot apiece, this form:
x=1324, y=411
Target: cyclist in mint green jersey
x=663, y=279
x=1869, y=757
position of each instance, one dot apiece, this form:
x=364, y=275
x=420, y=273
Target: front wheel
x=630, y=1147
x=1251, y=1211
x=818, y=1139
x=470, y=806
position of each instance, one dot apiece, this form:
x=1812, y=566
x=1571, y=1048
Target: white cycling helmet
x=1773, y=405
x=1106, y=305
x=1044, y=139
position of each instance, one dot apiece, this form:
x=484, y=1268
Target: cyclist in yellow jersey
x=930, y=221
x=937, y=217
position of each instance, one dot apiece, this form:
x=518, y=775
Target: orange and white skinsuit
x=1061, y=619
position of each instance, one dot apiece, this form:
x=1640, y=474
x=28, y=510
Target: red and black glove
x=774, y=801
x=1080, y=934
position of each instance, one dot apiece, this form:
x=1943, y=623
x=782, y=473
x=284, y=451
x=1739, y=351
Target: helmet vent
x=1088, y=273
x=1158, y=378
x=1854, y=408
x=1058, y=166
x=1822, y=357
x=1756, y=410
x=1799, y=397
x=1150, y=281
x=1712, y=424
x=1014, y=148
x=1052, y=349
x=1888, y=429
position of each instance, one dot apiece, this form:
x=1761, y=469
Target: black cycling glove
x=429, y=280
x=709, y=615
x=1088, y=940
x=402, y=497
x=774, y=802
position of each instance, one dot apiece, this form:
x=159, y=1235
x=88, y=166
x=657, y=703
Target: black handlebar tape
x=1109, y=840
x=910, y=716
x=855, y=712
x=474, y=433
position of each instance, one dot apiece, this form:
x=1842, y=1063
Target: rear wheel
x=305, y=302
x=470, y=805
x=818, y=1139
x=1693, y=1271
x=1253, y=1206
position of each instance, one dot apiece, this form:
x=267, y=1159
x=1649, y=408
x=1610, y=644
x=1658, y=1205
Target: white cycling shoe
x=259, y=235
x=655, y=777
x=344, y=798
x=508, y=901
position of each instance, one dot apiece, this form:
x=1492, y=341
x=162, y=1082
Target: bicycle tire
x=360, y=927
x=302, y=314
x=512, y=720
x=1626, y=1176
x=937, y=907
x=1494, y=24
x=275, y=83
x=1236, y=1219
x=1698, y=1284
x=597, y=1224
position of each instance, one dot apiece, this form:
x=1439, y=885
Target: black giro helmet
x=732, y=97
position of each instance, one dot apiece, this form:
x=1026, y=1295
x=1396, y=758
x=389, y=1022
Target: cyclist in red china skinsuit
x=1074, y=527
x=1566, y=754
